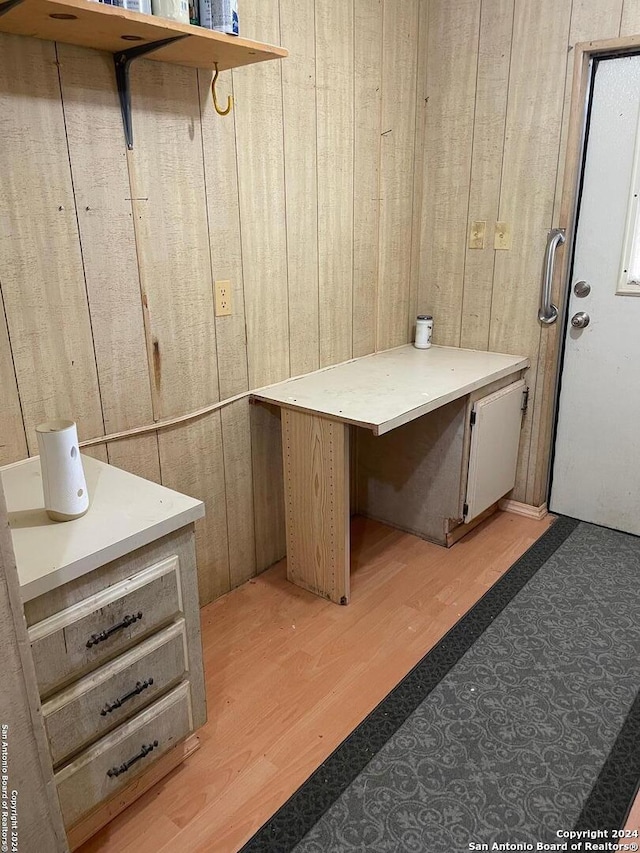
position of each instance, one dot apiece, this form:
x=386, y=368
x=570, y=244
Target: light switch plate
x=502, y=236
x=224, y=307
x=477, y=234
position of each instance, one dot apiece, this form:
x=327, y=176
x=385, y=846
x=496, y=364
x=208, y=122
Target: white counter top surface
x=391, y=388
x=125, y=513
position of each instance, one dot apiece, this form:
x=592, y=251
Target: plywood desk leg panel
x=316, y=474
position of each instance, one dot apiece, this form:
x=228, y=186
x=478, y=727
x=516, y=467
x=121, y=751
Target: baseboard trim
x=537, y=512
x=95, y=820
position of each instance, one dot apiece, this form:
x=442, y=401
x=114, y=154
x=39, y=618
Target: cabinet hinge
x=525, y=399
x=472, y=420
x=465, y=510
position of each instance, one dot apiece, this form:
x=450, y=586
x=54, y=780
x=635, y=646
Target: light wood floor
x=289, y=676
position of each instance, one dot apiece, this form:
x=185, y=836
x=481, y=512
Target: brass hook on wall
x=215, y=99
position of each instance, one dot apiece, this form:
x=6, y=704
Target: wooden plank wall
x=498, y=89
x=304, y=199
x=337, y=199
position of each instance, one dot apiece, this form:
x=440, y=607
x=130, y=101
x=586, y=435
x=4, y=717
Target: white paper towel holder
x=63, y=481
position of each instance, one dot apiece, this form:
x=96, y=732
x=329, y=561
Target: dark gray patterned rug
x=522, y=723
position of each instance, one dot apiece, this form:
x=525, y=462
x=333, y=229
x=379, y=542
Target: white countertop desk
x=380, y=392
x=125, y=513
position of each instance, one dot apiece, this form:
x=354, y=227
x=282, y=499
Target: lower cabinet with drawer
x=102, y=770
x=83, y=636
x=118, y=658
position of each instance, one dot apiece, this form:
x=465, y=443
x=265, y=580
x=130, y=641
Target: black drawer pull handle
x=116, y=771
x=94, y=639
x=137, y=690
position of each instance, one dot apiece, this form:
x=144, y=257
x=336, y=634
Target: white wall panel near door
x=494, y=448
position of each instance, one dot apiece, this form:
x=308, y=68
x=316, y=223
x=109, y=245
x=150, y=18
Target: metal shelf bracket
x=122, y=61
x=8, y=5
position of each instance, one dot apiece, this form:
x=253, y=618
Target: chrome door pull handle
x=548, y=313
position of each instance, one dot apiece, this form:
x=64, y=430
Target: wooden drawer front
x=91, y=632
x=112, y=694
x=100, y=771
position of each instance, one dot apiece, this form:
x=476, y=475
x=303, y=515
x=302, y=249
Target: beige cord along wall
x=306, y=199
x=498, y=88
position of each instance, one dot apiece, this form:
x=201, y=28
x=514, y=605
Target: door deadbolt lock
x=581, y=289
x=580, y=320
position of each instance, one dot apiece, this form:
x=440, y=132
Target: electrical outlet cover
x=502, y=236
x=223, y=303
x=477, y=234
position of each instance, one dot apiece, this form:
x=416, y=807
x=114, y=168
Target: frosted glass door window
x=629, y=280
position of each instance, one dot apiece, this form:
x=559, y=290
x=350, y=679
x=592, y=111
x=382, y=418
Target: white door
x=596, y=469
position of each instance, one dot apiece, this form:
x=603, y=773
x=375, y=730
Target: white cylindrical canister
x=143, y=6
x=220, y=15
x=63, y=481
x=175, y=10
x=424, y=331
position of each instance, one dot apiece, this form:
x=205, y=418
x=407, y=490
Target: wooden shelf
x=128, y=36
x=109, y=28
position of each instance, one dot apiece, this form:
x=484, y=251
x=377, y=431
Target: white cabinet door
x=495, y=437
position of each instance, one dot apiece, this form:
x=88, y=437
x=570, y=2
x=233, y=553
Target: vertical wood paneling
x=220, y=171
x=107, y=238
x=220, y=166
x=41, y=271
x=139, y=456
x=366, y=176
x=494, y=57
x=335, y=117
x=451, y=80
x=170, y=209
x=630, y=21
x=398, y=132
x=191, y=462
x=13, y=442
x=300, y=141
x=200, y=198
x=261, y=184
x=258, y=116
x=534, y=115
x=169, y=205
x=418, y=164
x=98, y=451
x=93, y=123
